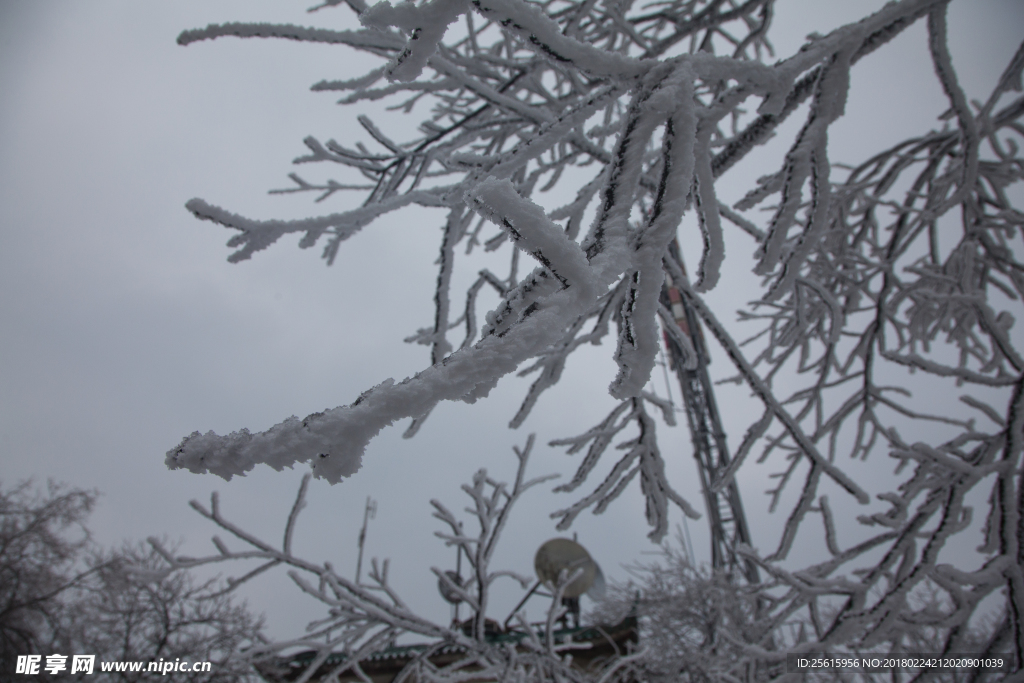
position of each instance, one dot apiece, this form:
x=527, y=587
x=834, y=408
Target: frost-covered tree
x=60, y=593
x=367, y=617
x=695, y=623
x=909, y=259
x=134, y=610
x=42, y=538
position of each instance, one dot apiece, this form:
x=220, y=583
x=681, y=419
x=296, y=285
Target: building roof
x=383, y=666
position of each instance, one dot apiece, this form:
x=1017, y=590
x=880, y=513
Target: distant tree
x=42, y=541
x=135, y=609
x=696, y=624
x=909, y=261
x=62, y=594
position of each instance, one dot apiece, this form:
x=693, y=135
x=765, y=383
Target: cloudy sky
x=123, y=328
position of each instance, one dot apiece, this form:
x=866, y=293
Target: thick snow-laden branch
x=638, y=339
x=333, y=441
x=533, y=232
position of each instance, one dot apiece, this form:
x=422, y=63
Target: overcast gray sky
x=123, y=328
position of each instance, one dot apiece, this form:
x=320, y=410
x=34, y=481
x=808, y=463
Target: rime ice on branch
x=516, y=97
x=903, y=261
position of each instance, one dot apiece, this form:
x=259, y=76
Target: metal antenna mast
x=725, y=509
x=369, y=513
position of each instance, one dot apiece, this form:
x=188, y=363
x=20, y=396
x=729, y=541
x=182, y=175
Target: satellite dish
x=562, y=554
x=446, y=592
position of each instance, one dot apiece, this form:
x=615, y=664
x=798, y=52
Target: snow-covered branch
x=365, y=618
x=908, y=261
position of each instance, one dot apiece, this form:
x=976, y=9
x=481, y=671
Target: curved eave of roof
x=580, y=634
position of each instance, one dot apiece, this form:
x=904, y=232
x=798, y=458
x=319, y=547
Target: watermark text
x=33, y=665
